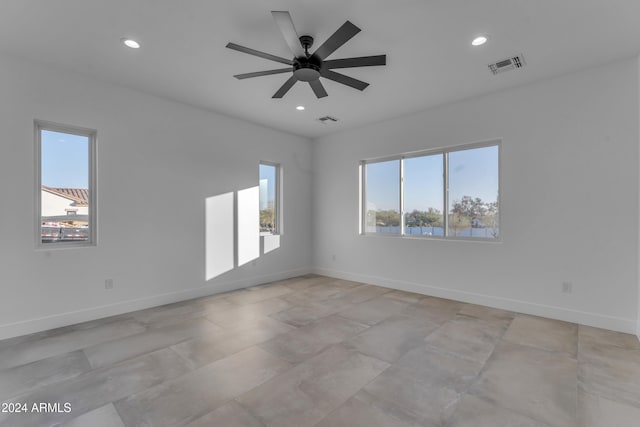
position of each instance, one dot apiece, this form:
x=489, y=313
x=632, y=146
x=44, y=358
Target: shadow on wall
x=233, y=236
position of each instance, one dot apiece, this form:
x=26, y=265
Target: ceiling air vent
x=507, y=64
x=327, y=119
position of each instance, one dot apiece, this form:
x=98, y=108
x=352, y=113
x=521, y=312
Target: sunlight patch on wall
x=232, y=232
x=248, y=225
x=219, y=228
x=270, y=243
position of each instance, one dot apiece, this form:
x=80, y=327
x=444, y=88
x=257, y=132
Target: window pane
x=64, y=190
x=268, y=198
x=423, y=196
x=382, y=199
x=473, y=193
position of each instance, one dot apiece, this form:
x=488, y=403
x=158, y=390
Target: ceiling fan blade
x=258, y=53
x=363, y=61
x=288, y=30
x=345, y=80
x=285, y=87
x=262, y=73
x=318, y=89
x=337, y=39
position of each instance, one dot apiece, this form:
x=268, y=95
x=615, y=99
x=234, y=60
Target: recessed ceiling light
x=130, y=43
x=300, y=107
x=479, y=41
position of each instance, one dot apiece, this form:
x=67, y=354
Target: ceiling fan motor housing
x=307, y=69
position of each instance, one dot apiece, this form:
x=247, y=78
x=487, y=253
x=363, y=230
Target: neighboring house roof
x=79, y=195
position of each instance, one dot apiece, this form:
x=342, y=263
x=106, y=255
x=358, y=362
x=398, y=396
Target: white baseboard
x=553, y=312
x=29, y=326
x=64, y=319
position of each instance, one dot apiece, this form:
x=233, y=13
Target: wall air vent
x=327, y=119
x=507, y=64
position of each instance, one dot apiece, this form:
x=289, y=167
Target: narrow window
x=270, y=198
x=65, y=186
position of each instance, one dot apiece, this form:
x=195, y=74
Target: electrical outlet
x=567, y=287
x=108, y=284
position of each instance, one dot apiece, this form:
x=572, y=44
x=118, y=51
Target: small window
x=450, y=193
x=65, y=185
x=269, y=198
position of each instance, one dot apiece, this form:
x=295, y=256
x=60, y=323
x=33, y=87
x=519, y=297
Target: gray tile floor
x=316, y=351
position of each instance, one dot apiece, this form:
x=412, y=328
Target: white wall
x=570, y=167
x=569, y=201
x=157, y=163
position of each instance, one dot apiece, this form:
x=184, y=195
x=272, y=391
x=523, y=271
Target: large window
x=65, y=185
x=450, y=193
x=269, y=198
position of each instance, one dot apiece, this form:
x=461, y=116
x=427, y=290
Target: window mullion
x=445, y=180
x=402, y=196
x=363, y=195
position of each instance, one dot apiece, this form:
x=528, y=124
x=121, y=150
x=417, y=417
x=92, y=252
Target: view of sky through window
x=383, y=192
x=267, y=186
x=65, y=160
x=383, y=197
x=423, y=183
x=474, y=173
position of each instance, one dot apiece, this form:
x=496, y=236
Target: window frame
x=444, y=151
x=91, y=135
x=278, y=197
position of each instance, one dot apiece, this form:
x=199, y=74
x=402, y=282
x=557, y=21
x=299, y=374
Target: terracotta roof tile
x=78, y=195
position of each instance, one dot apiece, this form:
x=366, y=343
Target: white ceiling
x=429, y=57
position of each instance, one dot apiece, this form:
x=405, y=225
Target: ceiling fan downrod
x=306, y=42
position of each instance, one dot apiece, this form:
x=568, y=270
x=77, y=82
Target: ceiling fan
x=309, y=67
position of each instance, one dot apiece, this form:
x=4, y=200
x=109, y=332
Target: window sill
x=439, y=238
